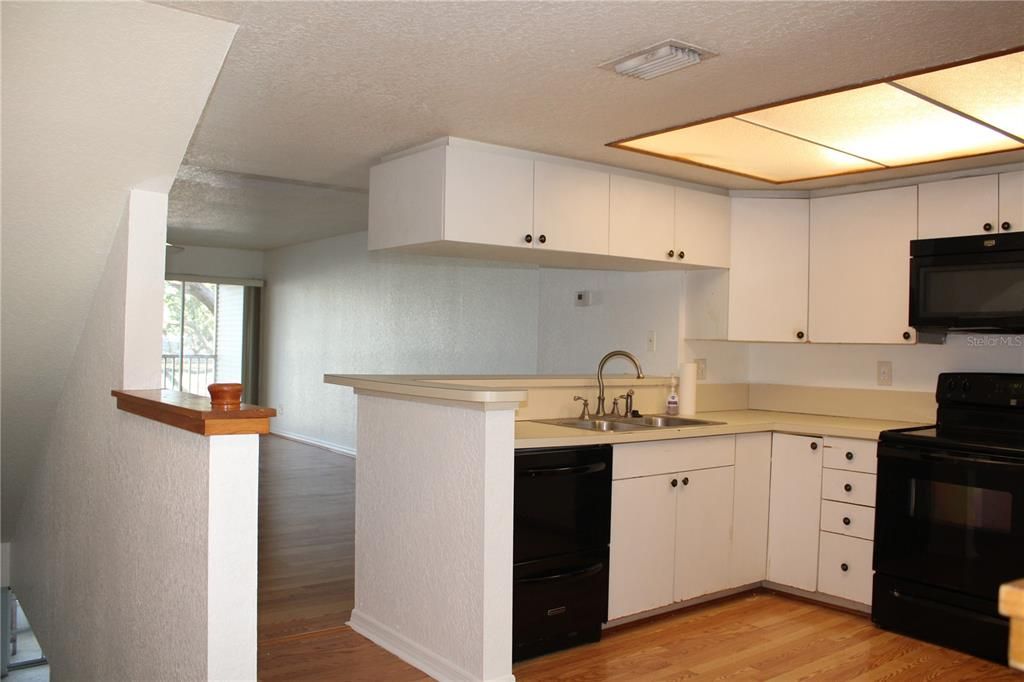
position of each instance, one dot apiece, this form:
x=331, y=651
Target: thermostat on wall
x=582, y=298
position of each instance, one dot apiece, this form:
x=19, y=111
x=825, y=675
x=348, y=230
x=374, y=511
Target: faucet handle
x=615, y=406
x=585, y=413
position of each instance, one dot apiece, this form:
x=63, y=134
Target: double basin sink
x=629, y=423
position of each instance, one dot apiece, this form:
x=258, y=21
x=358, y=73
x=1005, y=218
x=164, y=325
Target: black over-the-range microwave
x=968, y=283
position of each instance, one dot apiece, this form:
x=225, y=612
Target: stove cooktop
x=1003, y=444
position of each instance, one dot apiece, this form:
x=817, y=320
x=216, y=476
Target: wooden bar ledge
x=195, y=413
x=1011, y=605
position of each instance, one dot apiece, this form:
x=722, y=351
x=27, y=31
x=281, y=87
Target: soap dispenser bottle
x=672, y=403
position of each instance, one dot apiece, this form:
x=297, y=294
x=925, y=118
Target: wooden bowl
x=225, y=396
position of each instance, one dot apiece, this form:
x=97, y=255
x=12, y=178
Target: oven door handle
x=937, y=456
x=564, y=471
x=550, y=577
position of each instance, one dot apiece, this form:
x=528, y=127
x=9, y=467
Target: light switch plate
x=652, y=340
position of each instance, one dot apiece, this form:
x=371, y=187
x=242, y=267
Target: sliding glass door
x=204, y=339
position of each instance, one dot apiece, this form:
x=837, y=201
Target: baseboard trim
x=412, y=653
x=315, y=442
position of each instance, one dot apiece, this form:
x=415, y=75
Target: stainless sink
x=629, y=423
x=664, y=422
x=595, y=424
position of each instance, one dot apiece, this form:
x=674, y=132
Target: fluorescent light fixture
x=658, y=60
x=956, y=112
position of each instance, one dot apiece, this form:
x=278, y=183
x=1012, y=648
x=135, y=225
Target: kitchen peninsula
x=439, y=595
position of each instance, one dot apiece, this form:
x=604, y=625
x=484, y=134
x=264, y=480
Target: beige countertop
x=532, y=434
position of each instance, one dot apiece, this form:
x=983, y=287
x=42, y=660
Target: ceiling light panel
x=884, y=124
x=991, y=90
x=746, y=149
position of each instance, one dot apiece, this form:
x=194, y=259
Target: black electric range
x=949, y=520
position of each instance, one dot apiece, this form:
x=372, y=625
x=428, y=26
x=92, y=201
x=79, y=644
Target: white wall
x=215, y=262
x=624, y=307
x=332, y=307
x=110, y=553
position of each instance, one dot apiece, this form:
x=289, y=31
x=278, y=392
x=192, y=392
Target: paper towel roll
x=688, y=389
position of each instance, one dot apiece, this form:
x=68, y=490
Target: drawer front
x=631, y=460
x=848, y=519
x=848, y=486
x=844, y=567
x=851, y=454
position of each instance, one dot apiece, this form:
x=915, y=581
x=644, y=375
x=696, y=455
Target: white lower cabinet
x=750, y=508
x=703, y=529
x=642, y=554
x=844, y=567
x=794, y=511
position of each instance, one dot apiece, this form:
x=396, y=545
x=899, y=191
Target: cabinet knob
x=849, y=456
x=542, y=239
x=671, y=252
x=1006, y=225
x=845, y=567
x=848, y=487
x=814, y=445
x=674, y=483
x=528, y=238
x=682, y=255
x=686, y=481
x=987, y=227
x=799, y=335
x=846, y=521
x=906, y=336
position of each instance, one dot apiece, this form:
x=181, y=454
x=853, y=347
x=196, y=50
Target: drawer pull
x=848, y=487
x=849, y=456
x=846, y=521
x=844, y=567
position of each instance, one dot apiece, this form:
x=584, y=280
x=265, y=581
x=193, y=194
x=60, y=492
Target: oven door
x=968, y=291
x=562, y=501
x=949, y=519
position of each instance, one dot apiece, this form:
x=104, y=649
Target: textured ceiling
x=219, y=208
x=83, y=123
x=317, y=91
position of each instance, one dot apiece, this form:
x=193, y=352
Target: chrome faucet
x=600, y=412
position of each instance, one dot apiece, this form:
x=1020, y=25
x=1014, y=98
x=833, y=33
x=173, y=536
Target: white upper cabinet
x=488, y=197
x=860, y=266
x=1011, y=202
x=702, y=228
x=407, y=200
x=641, y=219
x=965, y=206
x=768, y=270
x=570, y=209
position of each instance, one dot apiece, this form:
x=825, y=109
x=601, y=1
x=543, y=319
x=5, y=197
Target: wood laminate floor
x=306, y=593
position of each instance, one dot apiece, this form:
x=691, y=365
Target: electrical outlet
x=280, y=410
x=702, y=369
x=884, y=373
x=652, y=341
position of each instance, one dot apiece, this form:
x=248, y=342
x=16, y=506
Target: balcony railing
x=189, y=373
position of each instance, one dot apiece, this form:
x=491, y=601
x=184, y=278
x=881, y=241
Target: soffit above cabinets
x=960, y=111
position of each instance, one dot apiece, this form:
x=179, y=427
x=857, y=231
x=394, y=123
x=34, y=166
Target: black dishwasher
x=562, y=525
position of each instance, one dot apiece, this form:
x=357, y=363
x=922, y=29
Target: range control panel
x=981, y=389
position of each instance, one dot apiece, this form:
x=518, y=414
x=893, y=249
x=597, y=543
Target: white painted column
x=434, y=502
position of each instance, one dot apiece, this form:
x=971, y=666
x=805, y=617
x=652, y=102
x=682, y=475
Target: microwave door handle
x=564, y=471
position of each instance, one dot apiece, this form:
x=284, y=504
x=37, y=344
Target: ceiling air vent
x=658, y=60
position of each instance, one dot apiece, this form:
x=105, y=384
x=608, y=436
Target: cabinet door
x=641, y=218
x=750, y=509
x=795, y=509
x=488, y=197
x=1011, y=201
x=953, y=208
x=642, y=544
x=860, y=267
x=702, y=228
x=570, y=209
x=768, y=270
x=703, y=529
